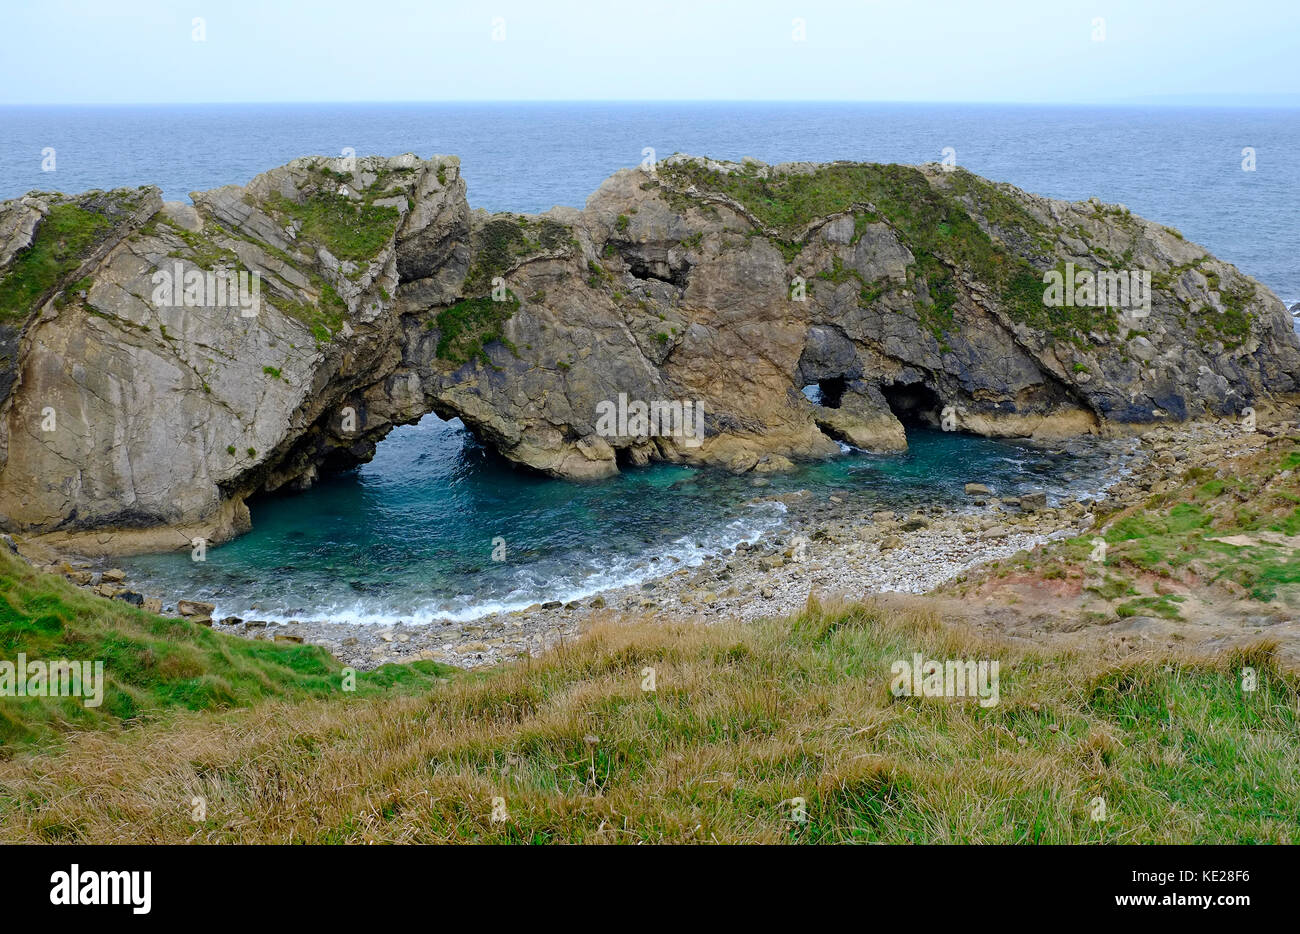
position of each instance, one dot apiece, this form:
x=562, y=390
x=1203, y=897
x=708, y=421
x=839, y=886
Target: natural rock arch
x=378, y=307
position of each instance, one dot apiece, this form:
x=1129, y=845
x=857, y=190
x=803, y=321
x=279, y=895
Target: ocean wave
x=625, y=570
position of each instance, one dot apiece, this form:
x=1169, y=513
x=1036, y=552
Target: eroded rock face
x=922, y=296
x=153, y=415
x=903, y=294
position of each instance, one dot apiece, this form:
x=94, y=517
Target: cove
x=410, y=535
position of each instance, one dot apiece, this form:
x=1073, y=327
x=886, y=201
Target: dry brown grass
x=743, y=720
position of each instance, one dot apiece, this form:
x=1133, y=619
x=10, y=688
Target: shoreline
x=827, y=546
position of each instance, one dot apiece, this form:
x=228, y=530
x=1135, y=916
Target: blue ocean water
x=1181, y=166
x=410, y=535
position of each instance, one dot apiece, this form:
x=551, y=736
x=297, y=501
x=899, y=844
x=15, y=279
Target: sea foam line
x=624, y=571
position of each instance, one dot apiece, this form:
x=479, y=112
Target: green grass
x=467, y=327
x=1163, y=605
x=61, y=243
x=349, y=230
x=1195, y=742
x=743, y=719
x=933, y=224
x=1173, y=535
x=151, y=663
x=506, y=239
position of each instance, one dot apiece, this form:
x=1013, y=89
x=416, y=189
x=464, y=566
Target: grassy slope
x=744, y=719
x=1173, y=540
x=151, y=663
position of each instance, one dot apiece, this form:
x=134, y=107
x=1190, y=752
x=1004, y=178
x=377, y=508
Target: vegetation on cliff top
x=933, y=224
x=743, y=719
x=936, y=225
x=350, y=230
x=504, y=240
x=62, y=240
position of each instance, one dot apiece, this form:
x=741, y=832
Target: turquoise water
x=410, y=536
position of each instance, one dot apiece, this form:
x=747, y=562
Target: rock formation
x=142, y=404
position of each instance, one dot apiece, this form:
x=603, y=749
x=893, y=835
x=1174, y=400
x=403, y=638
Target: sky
x=1031, y=51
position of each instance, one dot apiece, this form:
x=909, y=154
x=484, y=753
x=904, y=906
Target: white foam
x=623, y=571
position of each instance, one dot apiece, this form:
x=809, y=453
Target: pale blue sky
x=141, y=51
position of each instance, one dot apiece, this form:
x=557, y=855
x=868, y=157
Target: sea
x=436, y=526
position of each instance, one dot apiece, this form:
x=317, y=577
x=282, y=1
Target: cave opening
x=624, y=459
x=828, y=392
x=914, y=404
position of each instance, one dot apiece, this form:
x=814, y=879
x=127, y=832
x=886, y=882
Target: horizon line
x=1289, y=101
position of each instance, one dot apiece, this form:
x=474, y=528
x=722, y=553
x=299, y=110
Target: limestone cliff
x=902, y=293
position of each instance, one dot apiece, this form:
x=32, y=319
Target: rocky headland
x=130, y=423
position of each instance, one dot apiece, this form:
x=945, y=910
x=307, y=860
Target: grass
x=743, y=719
x=350, y=231
x=152, y=664
x=1162, y=605
x=467, y=327
x=62, y=241
x=1173, y=535
x=506, y=239
x=934, y=223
